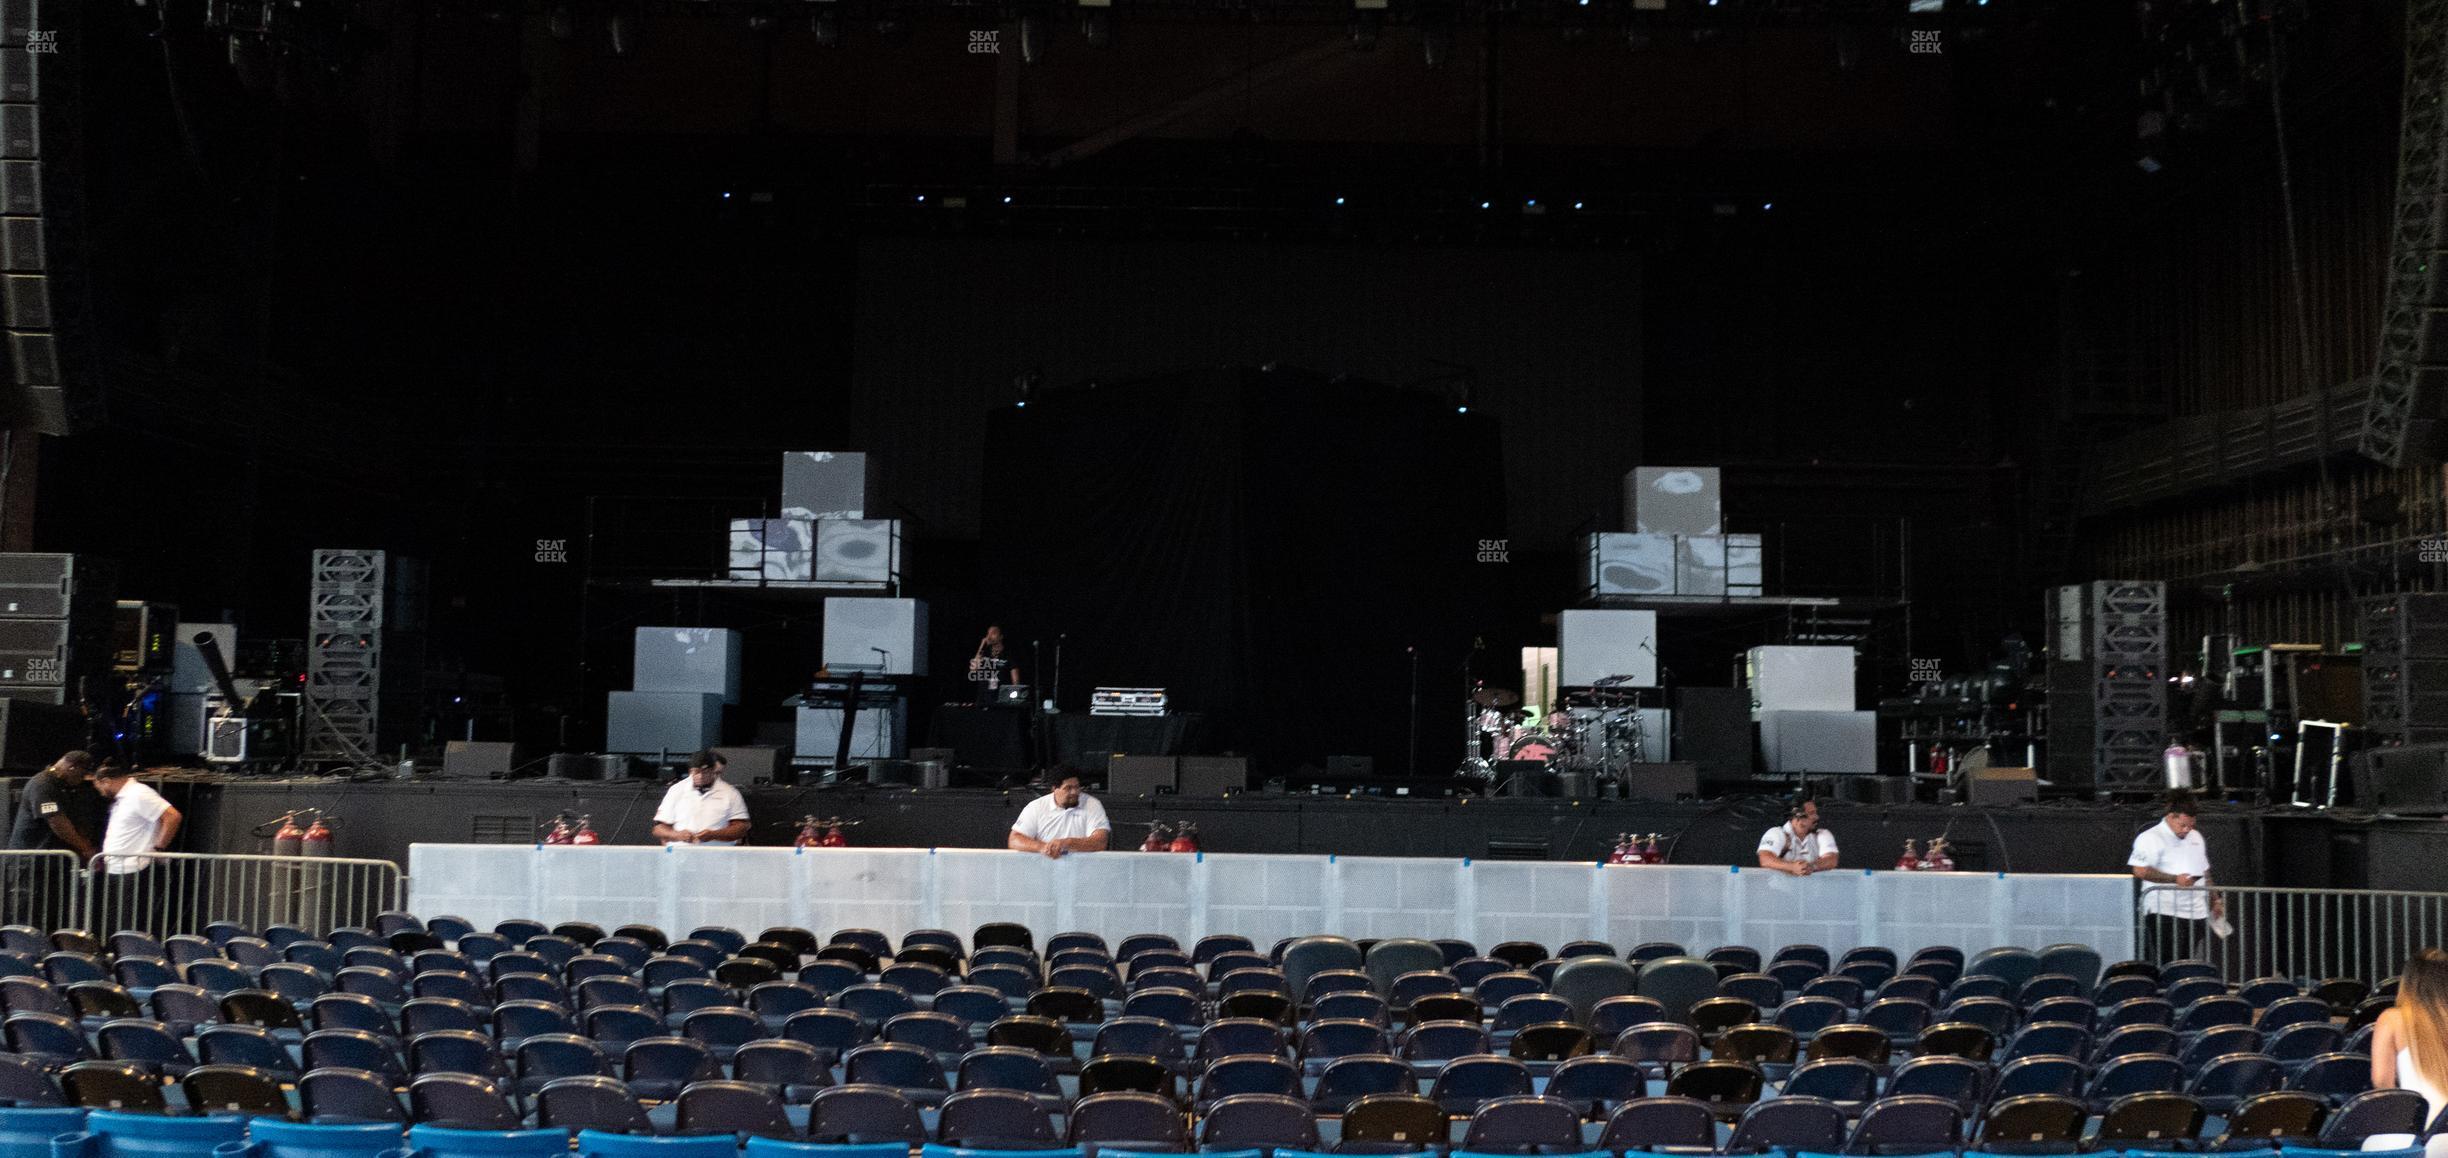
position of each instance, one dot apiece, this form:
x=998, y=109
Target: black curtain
x=1270, y=545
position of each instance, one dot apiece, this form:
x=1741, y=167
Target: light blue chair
x=273, y=1138
x=113, y=1134
x=2315, y=1152
x=26, y=1132
x=597, y=1144
x=438, y=1142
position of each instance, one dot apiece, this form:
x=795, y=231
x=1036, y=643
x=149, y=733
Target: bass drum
x=1526, y=745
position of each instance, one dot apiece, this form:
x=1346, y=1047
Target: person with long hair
x=2409, y=1046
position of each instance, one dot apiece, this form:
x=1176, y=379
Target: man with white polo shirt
x=134, y=895
x=1799, y=846
x=702, y=808
x=1065, y=820
x=2172, y=853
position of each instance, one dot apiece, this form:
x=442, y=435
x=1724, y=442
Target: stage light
x=1576, y=205
x=1765, y=206
x=1338, y=201
x=1530, y=204
x=726, y=195
x=1007, y=200
x=1461, y=409
x=1483, y=205
x=922, y=199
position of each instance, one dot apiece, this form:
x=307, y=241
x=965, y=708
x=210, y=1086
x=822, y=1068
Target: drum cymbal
x=1495, y=698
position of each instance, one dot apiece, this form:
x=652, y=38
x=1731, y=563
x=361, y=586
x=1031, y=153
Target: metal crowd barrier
x=164, y=893
x=173, y=892
x=42, y=888
x=2307, y=934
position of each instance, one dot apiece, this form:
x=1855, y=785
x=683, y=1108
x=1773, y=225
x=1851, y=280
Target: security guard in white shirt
x=1799, y=846
x=703, y=808
x=2172, y=852
x=1065, y=820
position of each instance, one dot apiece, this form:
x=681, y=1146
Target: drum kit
x=1597, y=732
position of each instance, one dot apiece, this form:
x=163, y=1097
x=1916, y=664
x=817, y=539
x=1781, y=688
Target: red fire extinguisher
x=586, y=831
x=1185, y=838
x=559, y=833
x=1910, y=862
x=1159, y=838
x=290, y=839
x=317, y=839
x=834, y=837
x=1649, y=853
x=1938, y=861
x=811, y=833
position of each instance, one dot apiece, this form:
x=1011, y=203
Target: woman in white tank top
x=2409, y=1048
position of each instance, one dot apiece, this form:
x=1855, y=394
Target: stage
x=2300, y=848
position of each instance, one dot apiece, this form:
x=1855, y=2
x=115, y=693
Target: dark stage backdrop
x=1267, y=545
x=943, y=324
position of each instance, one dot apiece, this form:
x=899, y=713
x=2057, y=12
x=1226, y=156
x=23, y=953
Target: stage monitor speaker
x=892, y=774
x=2409, y=780
x=478, y=760
x=1871, y=789
x=1127, y=777
x=1679, y=780
x=573, y=766
x=1213, y=775
x=753, y=764
x=1991, y=787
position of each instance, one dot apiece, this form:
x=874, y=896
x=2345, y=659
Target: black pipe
x=211, y=651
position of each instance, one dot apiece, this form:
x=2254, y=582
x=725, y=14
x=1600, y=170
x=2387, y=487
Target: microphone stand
x=1040, y=745
x=1055, y=698
x=1414, y=653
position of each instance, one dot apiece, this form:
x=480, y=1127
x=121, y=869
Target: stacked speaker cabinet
x=365, y=655
x=42, y=284
x=55, y=624
x=2405, y=667
x=2108, y=686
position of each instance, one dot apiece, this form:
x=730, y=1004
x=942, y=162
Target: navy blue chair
x=996, y=1119
x=740, y=1109
x=1788, y=1123
x=1667, y=1124
x=341, y=1094
x=656, y=1069
x=1348, y=1079
x=1523, y=1125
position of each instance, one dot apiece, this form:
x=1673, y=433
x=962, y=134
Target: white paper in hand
x=2220, y=928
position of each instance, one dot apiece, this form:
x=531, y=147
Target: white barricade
x=1264, y=897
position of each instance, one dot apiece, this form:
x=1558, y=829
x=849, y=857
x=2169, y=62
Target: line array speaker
x=44, y=294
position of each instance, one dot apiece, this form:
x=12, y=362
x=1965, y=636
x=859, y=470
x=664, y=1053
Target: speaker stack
x=43, y=290
x=2405, y=668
